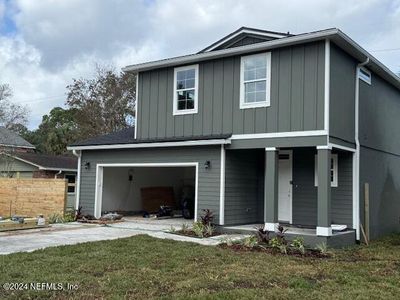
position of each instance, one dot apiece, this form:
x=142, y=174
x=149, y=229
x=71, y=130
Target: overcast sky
x=46, y=43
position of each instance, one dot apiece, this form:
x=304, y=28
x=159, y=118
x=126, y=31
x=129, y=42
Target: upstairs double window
x=255, y=80
x=186, y=90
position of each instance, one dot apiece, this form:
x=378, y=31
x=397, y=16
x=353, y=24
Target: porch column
x=271, y=189
x=324, y=191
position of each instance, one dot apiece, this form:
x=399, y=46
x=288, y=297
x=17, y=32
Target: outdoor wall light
x=87, y=165
x=207, y=164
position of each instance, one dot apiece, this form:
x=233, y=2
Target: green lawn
x=144, y=267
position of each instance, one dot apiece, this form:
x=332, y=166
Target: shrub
x=262, y=235
x=207, y=217
x=250, y=241
x=322, y=248
x=69, y=216
x=56, y=218
x=298, y=244
x=198, y=229
x=172, y=229
x=209, y=230
x=185, y=228
x=275, y=242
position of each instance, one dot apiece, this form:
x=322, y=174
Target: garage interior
x=149, y=192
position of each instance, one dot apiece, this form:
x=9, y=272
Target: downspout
x=356, y=160
x=78, y=154
x=59, y=173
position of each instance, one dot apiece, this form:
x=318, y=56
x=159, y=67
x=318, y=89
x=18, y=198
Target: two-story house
x=268, y=128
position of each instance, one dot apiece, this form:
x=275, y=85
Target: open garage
x=147, y=190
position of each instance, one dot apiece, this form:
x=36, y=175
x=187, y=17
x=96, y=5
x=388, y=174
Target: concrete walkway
x=75, y=233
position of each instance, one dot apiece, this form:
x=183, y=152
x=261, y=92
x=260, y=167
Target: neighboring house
x=268, y=127
x=18, y=159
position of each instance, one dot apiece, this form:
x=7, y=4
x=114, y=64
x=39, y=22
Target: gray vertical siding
x=305, y=193
x=297, y=97
x=243, y=199
x=208, y=184
x=342, y=92
x=380, y=155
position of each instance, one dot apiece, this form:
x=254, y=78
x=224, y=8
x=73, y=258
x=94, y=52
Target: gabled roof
x=48, y=162
x=333, y=34
x=242, y=33
x=9, y=138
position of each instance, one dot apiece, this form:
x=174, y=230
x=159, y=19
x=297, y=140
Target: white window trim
x=368, y=79
x=334, y=183
x=177, y=112
x=267, y=101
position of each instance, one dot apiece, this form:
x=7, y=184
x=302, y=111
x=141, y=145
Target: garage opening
x=142, y=191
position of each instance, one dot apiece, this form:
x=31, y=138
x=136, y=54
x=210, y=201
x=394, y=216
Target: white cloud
x=60, y=40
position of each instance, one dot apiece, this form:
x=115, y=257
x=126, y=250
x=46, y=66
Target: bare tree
x=11, y=114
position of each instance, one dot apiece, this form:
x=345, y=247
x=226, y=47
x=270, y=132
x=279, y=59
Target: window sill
x=255, y=105
x=185, y=112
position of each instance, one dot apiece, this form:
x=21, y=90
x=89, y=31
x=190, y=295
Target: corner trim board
x=222, y=188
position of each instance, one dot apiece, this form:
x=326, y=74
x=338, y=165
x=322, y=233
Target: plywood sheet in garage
x=154, y=197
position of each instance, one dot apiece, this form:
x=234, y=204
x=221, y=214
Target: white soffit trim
x=336, y=146
x=154, y=145
x=279, y=135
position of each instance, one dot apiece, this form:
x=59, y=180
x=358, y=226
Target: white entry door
x=285, y=186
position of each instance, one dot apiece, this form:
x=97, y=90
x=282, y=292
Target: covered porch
x=308, y=190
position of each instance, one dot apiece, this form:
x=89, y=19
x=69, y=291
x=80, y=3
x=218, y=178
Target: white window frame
x=267, y=102
x=334, y=182
x=177, y=112
x=366, y=78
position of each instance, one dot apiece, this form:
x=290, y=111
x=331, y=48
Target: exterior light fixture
x=207, y=164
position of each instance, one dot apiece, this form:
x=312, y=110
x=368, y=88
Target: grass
x=142, y=267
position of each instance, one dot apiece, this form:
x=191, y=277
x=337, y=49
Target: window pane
x=190, y=95
x=190, y=104
x=180, y=75
x=190, y=74
x=181, y=104
x=180, y=84
x=255, y=62
x=189, y=84
x=71, y=189
x=260, y=97
x=70, y=178
x=249, y=75
x=250, y=97
x=182, y=95
x=260, y=86
x=261, y=73
x=249, y=87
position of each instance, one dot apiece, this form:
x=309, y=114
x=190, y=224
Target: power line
x=385, y=50
x=45, y=99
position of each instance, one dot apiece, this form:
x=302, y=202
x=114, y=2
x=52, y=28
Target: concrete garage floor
x=75, y=233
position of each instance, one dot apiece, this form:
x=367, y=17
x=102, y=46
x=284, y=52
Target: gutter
x=59, y=172
x=78, y=154
x=356, y=160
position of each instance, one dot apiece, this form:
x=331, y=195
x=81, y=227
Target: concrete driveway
x=75, y=233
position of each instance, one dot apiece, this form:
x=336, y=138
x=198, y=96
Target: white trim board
x=154, y=145
x=99, y=180
x=222, y=188
x=290, y=153
x=279, y=134
x=327, y=82
x=137, y=105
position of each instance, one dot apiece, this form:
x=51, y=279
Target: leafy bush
x=250, y=241
x=69, y=216
x=207, y=217
x=275, y=242
x=262, y=235
x=209, y=230
x=323, y=248
x=298, y=244
x=185, y=228
x=56, y=218
x=198, y=229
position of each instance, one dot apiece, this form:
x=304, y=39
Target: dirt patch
x=190, y=233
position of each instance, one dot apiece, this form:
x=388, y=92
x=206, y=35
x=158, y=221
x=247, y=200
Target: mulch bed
x=192, y=234
x=313, y=253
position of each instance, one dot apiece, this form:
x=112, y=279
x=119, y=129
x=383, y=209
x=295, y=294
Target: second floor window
x=185, y=89
x=255, y=80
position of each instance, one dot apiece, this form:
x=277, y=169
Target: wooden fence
x=32, y=196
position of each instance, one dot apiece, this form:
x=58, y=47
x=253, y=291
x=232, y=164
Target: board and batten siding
x=305, y=192
x=208, y=181
x=297, y=97
x=244, y=183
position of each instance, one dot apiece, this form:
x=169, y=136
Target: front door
x=285, y=186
